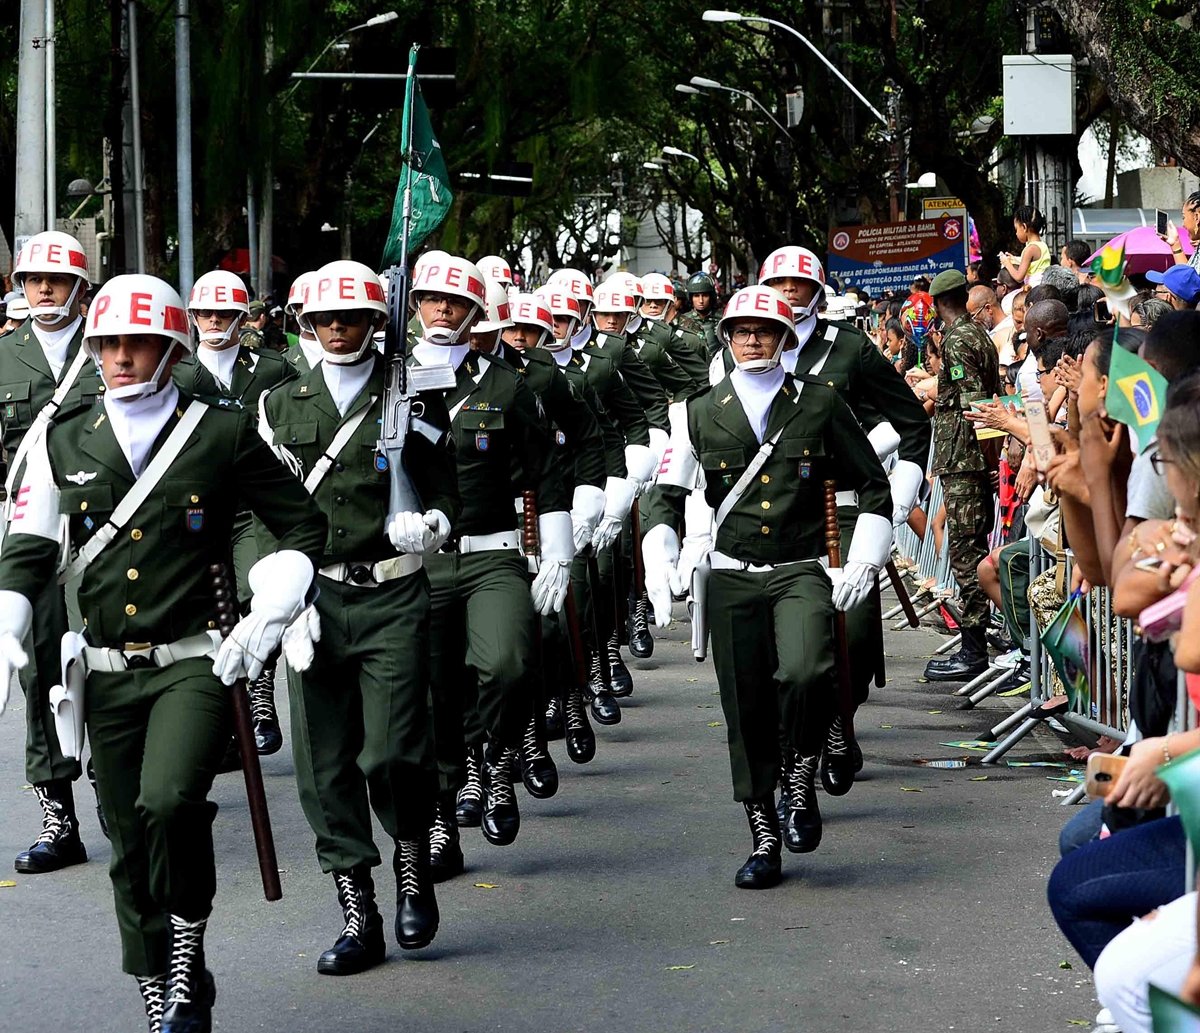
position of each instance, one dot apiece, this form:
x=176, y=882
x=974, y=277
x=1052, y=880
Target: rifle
x=833, y=544
x=256, y=796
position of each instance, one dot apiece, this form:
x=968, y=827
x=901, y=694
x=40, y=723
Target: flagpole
x=406, y=135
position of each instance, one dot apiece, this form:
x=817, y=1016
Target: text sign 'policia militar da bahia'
x=888, y=255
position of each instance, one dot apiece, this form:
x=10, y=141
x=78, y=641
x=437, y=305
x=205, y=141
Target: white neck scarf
x=219, y=362
x=313, y=352
x=345, y=383
x=756, y=392
x=581, y=337
x=54, y=343
x=137, y=422
x=804, y=330
x=563, y=355
x=428, y=354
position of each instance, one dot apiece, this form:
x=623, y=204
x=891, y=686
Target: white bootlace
x=439, y=834
x=766, y=839
x=55, y=823
x=836, y=742
x=531, y=748
x=350, y=897
x=472, y=790
x=801, y=780
x=153, y=990
x=500, y=787
x=408, y=877
x=641, y=612
x=262, y=697
x=187, y=946
x=576, y=718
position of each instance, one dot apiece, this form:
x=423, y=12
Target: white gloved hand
x=906, y=480
x=660, y=441
x=869, y=549
x=280, y=583
x=884, y=439
x=16, y=618
x=553, y=578
x=587, y=510
x=852, y=584
x=301, y=638
x=418, y=533
x=642, y=465
x=695, y=548
x=619, y=493
x=660, y=560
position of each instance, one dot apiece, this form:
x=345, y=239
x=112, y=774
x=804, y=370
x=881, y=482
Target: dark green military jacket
x=302, y=419
x=688, y=350
x=600, y=373
x=498, y=431
x=296, y=358
x=970, y=372
x=152, y=583
x=574, y=427
x=27, y=384
x=646, y=389
x=253, y=373
x=704, y=326
x=781, y=515
x=676, y=384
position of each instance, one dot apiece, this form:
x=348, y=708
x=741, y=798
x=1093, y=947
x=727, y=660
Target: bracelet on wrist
x=1167, y=749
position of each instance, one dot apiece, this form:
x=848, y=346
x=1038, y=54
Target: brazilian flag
x=1170, y=1015
x=1137, y=395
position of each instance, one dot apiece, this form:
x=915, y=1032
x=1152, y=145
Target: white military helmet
x=296, y=292
x=222, y=291
x=497, y=310
x=577, y=285
x=51, y=252
x=764, y=303
x=798, y=262
x=496, y=268
x=534, y=310
x=657, y=287
x=343, y=286
x=424, y=258
x=17, y=309
x=560, y=302
x=630, y=283
x=614, y=297
x=449, y=274
x=136, y=304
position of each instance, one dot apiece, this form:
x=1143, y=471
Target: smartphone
x=1039, y=434
x=1103, y=770
x=1100, y=312
x=1161, y=221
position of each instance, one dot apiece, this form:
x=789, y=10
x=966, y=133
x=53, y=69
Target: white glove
x=619, y=493
x=418, y=533
x=906, y=480
x=301, y=638
x=697, y=536
x=695, y=548
x=869, y=550
x=587, y=510
x=660, y=560
x=280, y=583
x=660, y=441
x=554, y=572
x=884, y=439
x=16, y=618
x=642, y=465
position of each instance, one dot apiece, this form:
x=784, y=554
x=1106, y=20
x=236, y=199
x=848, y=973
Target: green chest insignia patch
x=957, y=372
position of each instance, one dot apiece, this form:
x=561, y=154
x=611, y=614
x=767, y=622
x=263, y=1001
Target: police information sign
x=887, y=256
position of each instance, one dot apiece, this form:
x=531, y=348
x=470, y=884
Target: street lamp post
x=712, y=84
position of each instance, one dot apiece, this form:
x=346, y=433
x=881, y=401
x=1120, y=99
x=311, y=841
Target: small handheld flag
x=1136, y=395
x=1109, y=269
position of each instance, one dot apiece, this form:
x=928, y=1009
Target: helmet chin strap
x=439, y=335
x=760, y=365
x=216, y=340
x=129, y=392
x=555, y=344
x=346, y=358
x=53, y=314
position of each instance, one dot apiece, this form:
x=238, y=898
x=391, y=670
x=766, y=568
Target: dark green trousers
x=772, y=647
x=361, y=735
x=482, y=634
x=44, y=761
x=157, y=737
x=970, y=515
x=244, y=547
x=1013, y=569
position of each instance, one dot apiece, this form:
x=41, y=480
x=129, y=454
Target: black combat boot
x=268, y=738
x=837, y=761
x=605, y=708
x=969, y=662
x=581, y=740
x=416, y=903
x=501, y=818
x=786, y=760
x=802, y=829
x=641, y=642
x=59, y=845
x=445, y=851
x=469, y=807
x=538, y=770
x=190, y=987
x=360, y=945
x=154, y=992
x=554, y=718
x=763, y=868
x=619, y=676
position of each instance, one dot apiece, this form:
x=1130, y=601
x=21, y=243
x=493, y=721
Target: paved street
x=615, y=909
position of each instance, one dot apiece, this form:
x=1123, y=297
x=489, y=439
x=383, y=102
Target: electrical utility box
x=1039, y=95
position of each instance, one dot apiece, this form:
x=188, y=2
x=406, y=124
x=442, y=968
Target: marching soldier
x=614, y=311
x=306, y=352
x=970, y=371
x=760, y=446
x=483, y=606
x=702, y=317
x=223, y=367
x=497, y=270
x=659, y=311
x=360, y=718
x=146, y=482
x=45, y=370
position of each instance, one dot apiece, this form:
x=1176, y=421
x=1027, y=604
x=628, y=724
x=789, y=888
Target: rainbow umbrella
x=1145, y=249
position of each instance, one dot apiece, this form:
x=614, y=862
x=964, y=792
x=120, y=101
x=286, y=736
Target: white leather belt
x=135, y=655
x=722, y=561
x=500, y=541
x=847, y=498
x=372, y=575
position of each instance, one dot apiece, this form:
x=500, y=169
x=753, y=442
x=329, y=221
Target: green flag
x=1137, y=394
x=422, y=174
x=1170, y=1015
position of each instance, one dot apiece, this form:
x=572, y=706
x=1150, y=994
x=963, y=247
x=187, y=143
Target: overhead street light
x=684, y=88
x=370, y=23
x=925, y=181
x=652, y=165
x=712, y=84
x=733, y=16
x=675, y=152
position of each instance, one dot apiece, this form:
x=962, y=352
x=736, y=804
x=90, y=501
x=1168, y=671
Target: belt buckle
x=138, y=655
x=359, y=574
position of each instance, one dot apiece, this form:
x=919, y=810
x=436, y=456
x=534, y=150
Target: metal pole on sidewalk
x=135, y=100
x=183, y=142
x=30, y=207
x=51, y=122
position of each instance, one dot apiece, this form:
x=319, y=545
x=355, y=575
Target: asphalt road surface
x=615, y=910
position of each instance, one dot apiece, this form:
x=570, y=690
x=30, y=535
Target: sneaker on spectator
x=1010, y=660
x=1104, y=1022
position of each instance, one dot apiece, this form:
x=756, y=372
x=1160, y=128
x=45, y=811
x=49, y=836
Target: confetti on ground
x=1035, y=764
x=885, y=726
x=1065, y=964
x=7, y=884
x=716, y=943
x=935, y=711
x=948, y=764
x=680, y=968
x=969, y=744
x=979, y=778
x=910, y=789
x=485, y=885
x=714, y=724
x=692, y=681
